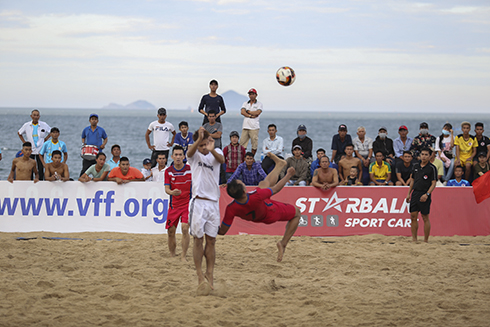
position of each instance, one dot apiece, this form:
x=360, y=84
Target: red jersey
x=182, y=180
x=259, y=208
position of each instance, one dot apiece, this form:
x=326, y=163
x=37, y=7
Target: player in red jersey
x=256, y=206
x=178, y=180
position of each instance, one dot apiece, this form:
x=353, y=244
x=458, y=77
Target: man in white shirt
x=251, y=110
x=274, y=144
x=36, y=132
x=204, y=218
x=158, y=172
x=161, y=137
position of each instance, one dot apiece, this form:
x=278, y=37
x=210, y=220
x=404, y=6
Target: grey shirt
x=217, y=127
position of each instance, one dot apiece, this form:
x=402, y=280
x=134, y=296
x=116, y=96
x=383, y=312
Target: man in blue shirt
x=52, y=145
x=339, y=142
x=116, y=156
x=93, y=135
x=458, y=181
x=249, y=172
x=184, y=138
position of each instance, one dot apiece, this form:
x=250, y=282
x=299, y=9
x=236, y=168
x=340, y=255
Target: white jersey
x=146, y=173
x=205, y=175
x=251, y=123
x=158, y=175
x=161, y=134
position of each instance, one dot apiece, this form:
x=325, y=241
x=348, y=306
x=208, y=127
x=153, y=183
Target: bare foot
x=281, y=248
x=183, y=259
x=278, y=161
x=209, y=279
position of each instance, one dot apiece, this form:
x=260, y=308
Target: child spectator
x=146, y=170
x=234, y=154
x=353, y=179
x=458, y=180
x=482, y=166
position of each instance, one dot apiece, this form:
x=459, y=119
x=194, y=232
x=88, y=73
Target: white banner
x=66, y=207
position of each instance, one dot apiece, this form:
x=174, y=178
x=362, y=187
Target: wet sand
x=115, y=279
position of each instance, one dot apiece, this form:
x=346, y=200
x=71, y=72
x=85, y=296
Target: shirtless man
x=24, y=166
x=346, y=163
x=57, y=170
x=325, y=177
x=257, y=207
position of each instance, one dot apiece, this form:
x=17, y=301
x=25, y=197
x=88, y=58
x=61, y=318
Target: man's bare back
x=24, y=167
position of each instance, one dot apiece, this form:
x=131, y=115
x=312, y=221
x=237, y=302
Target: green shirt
x=92, y=171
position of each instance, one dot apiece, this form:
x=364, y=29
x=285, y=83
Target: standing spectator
x=52, y=145
x=93, y=135
x=423, y=140
x=249, y=172
x=304, y=142
x=384, y=144
x=184, y=138
x=251, y=110
x=36, y=132
x=363, y=147
x=444, y=149
x=404, y=169
x=212, y=102
x=214, y=128
x=158, y=172
x=116, y=156
x=274, y=144
x=483, y=141
x=339, y=141
x=234, y=154
x=466, y=146
x=300, y=165
x=402, y=143
x=161, y=137
x=458, y=178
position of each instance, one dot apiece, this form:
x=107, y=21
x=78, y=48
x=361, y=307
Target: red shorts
x=281, y=212
x=174, y=214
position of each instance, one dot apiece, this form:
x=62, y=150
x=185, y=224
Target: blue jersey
x=49, y=147
x=454, y=182
x=184, y=142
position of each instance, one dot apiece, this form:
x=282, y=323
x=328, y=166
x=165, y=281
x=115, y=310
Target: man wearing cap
x=234, y=154
x=304, y=142
x=161, y=137
x=402, y=143
x=483, y=142
x=384, y=144
x=300, y=166
x=36, y=132
x=423, y=140
x=212, y=102
x=339, y=141
x=93, y=135
x=251, y=110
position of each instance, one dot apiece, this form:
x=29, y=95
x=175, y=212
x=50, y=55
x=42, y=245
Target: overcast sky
x=364, y=55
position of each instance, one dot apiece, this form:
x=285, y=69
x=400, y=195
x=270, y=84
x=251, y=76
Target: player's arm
x=174, y=192
x=223, y=229
x=193, y=148
x=227, y=221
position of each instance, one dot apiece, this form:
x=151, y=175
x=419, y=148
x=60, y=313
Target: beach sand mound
x=92, y=279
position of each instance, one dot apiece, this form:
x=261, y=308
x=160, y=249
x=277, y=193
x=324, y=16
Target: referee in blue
x=424, y=179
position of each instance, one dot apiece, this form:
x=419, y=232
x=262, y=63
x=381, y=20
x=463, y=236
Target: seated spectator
x=402, y=143
x=423, y=140
x=339, y=141
x=483, y=141
x=300, y=165
x=97, y=172
x=444, y=149
x=274, y=144
x=158, y=172
x=116, y=156
x=56, y=170
x=458, y=180
x=146, y=170
x=24, y=167
x=466, y=146
x=51, y=145
x=305, y=142
x=249, y=172
x=234, y=154
x=184, y=138
x=482, y=166
x=438, y=163
x=380, y=171
x=404, y=169
x=124, y=173
x=363, y=148
x=352, y=179
x=325, y=177
x=347, y=162
x=384, y=144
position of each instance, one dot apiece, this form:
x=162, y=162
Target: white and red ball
x=285, y=76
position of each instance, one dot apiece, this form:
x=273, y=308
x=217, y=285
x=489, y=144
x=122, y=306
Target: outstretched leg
x=291, y=227
x=273, y=176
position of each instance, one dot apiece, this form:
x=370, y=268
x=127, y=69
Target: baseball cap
x=342, y=127
x=382, y=128
x=162, y=111
x=297, y=147
x=302, y=128
x=146, y=161
x=424, y=125
x=252, y=90
x=234, y=133
x=403, y=127
x=481, y=154
x=93, y=115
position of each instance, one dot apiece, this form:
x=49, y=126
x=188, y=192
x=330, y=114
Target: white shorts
x=203, y=218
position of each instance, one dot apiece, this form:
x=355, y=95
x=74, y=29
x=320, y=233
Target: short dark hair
x=177, y=147
x=458, y=167
x=99, y=154
x=183, y=123
x=124, y=159
x=321, y=150
x=271, y=125
x=426, y=149
x=161, y=154
x=55, y=129
x=325, y=157
x=28, y=144
x=56, y=152
x=213, y=81
x=212, y=112
x=355, y=167
x=379, y=151
x=115, y=146
x=349, y=144
x=408, y=152
x=249, y=154
x=195, y=136
x=234, y=189
x=35, y=110
x=478, y=125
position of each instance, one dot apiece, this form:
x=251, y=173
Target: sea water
x=128, y=127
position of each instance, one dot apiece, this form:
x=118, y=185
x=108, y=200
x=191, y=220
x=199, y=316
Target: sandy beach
x=116, y=279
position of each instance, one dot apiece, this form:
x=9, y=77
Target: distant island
x=140, y=104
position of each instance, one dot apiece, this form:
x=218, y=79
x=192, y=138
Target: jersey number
x=251, y=213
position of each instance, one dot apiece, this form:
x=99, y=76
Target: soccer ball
x=285, y=76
